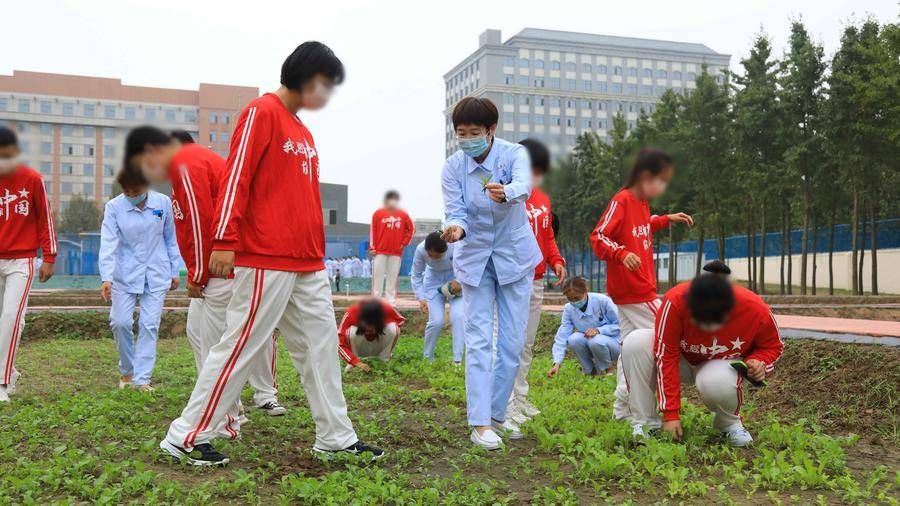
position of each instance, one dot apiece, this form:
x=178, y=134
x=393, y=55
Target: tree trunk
x=815, y=249
x=831, y=255
x=700, y=243
x=658, y=259
x=720, y=241
x=862, y=254
x=671, y=269
x=674, y=266
x=790, y=255
x=749, y=258
x=781, y=289
x=761, y=281
x=753, y=254
x=854, y=247
x=804, y=238
x=874, y=240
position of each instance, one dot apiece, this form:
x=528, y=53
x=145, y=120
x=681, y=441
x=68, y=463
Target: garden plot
x=70, y=437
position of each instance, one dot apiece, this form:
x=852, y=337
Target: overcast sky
x=384, y=127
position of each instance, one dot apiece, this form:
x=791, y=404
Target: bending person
x=589, y=328
x=432, y=268
x=369, y=328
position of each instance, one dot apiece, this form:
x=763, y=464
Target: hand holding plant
x=496, y=192
x=674, y=427
x=553, y=370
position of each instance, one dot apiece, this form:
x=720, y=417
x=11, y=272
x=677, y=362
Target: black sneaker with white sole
x=202, y=454
x=357, y=448
x=272, y=408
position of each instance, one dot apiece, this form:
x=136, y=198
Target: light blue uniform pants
x=489, y=382
x=436, y=324
x=599, y=352
x=136, y=358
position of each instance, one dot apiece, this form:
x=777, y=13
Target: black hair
x=131, y=178
x=577, y=283
x=475, y=111
x=433, y=242
x=371, y=313
x=539, y=154
x=138, y=139
x=650, y=160
x=554, y=222
x=8, y=137
x=308, y=60
x=182, y=136
x=717, y=267
x=710, y=296
x=391, y=194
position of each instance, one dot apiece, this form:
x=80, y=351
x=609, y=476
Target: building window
x=648, y=73
x=691, y=76
x=554, y=102
x=617, y=88
x=601, y=69
x=88, y=131
x=67, y=189
x=632, y=71
x=586, y=104
x=585, y=67
x=554, y=82
x=631, y=89
x=601, y=123
x=89, y=168
x=170, y=115
x=646, y=90
x=68, y=109
x=509, y=79
x=332, y=217
x=224, y=118
x=570, y=66
x=570, y=84
x=130, y=113
x=46, y=148
x=22, y=127
x=586, y=85
x=538, y=64
x=89, y=151
x=601, y=86
x=509, y=99
x=224, y=136
x=68, y=149
x=554, y=65
x=539, y=119
x=508, y=117
x=24, y=106
x=509, y=61
x=212, y=137
x=212, y=117
x=109, y=151
x=108, y=170
x=521, y=81
x=109, y=133
x=523, y=62
x=150, y=114
x=46, y=129
x=587, y=123
x=661, y=74
x=107, y=190
x=46, y=107
x=676, y=75
x=109, y=111
x=87, y=110
x=617, y=70
x=3, y=103
x=538, y=83
x=554, y=120
x=46, y=168
x=88, y=188
x=67, y=170
x=524, y=100
x=67, y=131
x=570, y=122
x=539, y=101
x=24, y=146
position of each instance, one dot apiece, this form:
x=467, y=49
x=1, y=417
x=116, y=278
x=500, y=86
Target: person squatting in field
x=623, y=238
x=195, y=173
x=540, y=216
x=702, y=327
x=485, y=185
x=27, y=226
x=369, y=328
x=589, y=328
x=139, y=261
x=432, y=268
x=269, y=230
x=391, y=230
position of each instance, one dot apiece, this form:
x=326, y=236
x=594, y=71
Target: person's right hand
x=423, y=306
x=364, y=367
x=106, y=291
x=674, y=427
x=553, y=370
x=194, y=291
x=452, y=233
x=221, y=263
x=631, y=261
x=591, y=332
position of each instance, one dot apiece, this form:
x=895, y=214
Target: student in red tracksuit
x=624, y=239
x=26, y=225
x=194, y=173
x=702, y=327
x=370, y=328
x=269, y=231
x=391, y=231
x=540, y=216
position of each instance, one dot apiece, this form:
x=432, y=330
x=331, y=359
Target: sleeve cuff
x=49, y=259
x=620, y=255
x=224, y=245
x=670, y=415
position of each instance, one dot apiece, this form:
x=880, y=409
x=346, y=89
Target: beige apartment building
x=72, y=128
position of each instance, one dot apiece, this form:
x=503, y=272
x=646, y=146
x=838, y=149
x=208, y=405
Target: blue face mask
x=136, y=201
x=474, y=146
x=581, y=304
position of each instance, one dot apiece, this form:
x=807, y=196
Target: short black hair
x=717, y=267
x=710, y=298
x=182, y=136
x=131, y=178
x=650, y=160
x=433, y=242
x=138, y=139
x=475, y=111
x=371, y=313
x=308, y=60
x=539, y=154
x=577, y=283
x=391, y=194
x=8, y=137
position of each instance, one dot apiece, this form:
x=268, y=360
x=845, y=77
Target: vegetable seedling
x=485, y=180
x=741, y=367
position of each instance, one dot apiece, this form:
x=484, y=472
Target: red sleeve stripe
x=660, y=351
x=51, y=227
x=235, y=176
x=199, y=259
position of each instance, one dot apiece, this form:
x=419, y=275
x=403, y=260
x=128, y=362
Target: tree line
x=796, y=141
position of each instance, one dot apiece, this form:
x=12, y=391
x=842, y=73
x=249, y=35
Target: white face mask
x=319, y=97
x=8, y=164
x=709, y=327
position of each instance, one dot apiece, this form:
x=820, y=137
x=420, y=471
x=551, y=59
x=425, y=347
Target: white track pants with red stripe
x=298, y=304
x=16, y=276
x=631, y=317
x=717, y=382
x=385, y=269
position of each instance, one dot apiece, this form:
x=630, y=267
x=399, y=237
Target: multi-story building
x=555, y=85
x=72, y=128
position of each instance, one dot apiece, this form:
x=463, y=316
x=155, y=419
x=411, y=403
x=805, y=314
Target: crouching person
x=702, y=327
x=589, y=329
x=370, y=328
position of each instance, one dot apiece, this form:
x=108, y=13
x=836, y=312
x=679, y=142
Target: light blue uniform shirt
x=427, y=275
x=138, y=248
x=494, y=230
x=601, y=314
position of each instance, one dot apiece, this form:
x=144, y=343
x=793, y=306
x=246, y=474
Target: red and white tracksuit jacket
x=627, y=227
x=391, y=231
x=196, y=173
x=351, y=319
x=282, y=227
x=749, y=333
x=538, y=208
x=26, y=220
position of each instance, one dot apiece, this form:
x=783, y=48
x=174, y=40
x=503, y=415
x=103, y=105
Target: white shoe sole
x=329, y=455
x=11, y=388
x=484, y=444
x=171, y=450
x=274, y=412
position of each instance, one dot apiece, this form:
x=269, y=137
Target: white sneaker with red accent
x=739, y=437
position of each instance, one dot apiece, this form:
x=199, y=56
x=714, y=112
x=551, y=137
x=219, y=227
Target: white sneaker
x=739, y=437
x=508, y=427
x=527, y=408
x=638, y=434
x=489, y=440
x=513, y=413
x=4, y=396
x=11, y=388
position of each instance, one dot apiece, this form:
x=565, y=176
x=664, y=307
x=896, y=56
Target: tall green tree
x=81, y=215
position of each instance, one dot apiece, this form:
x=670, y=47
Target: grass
x=70, y=437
